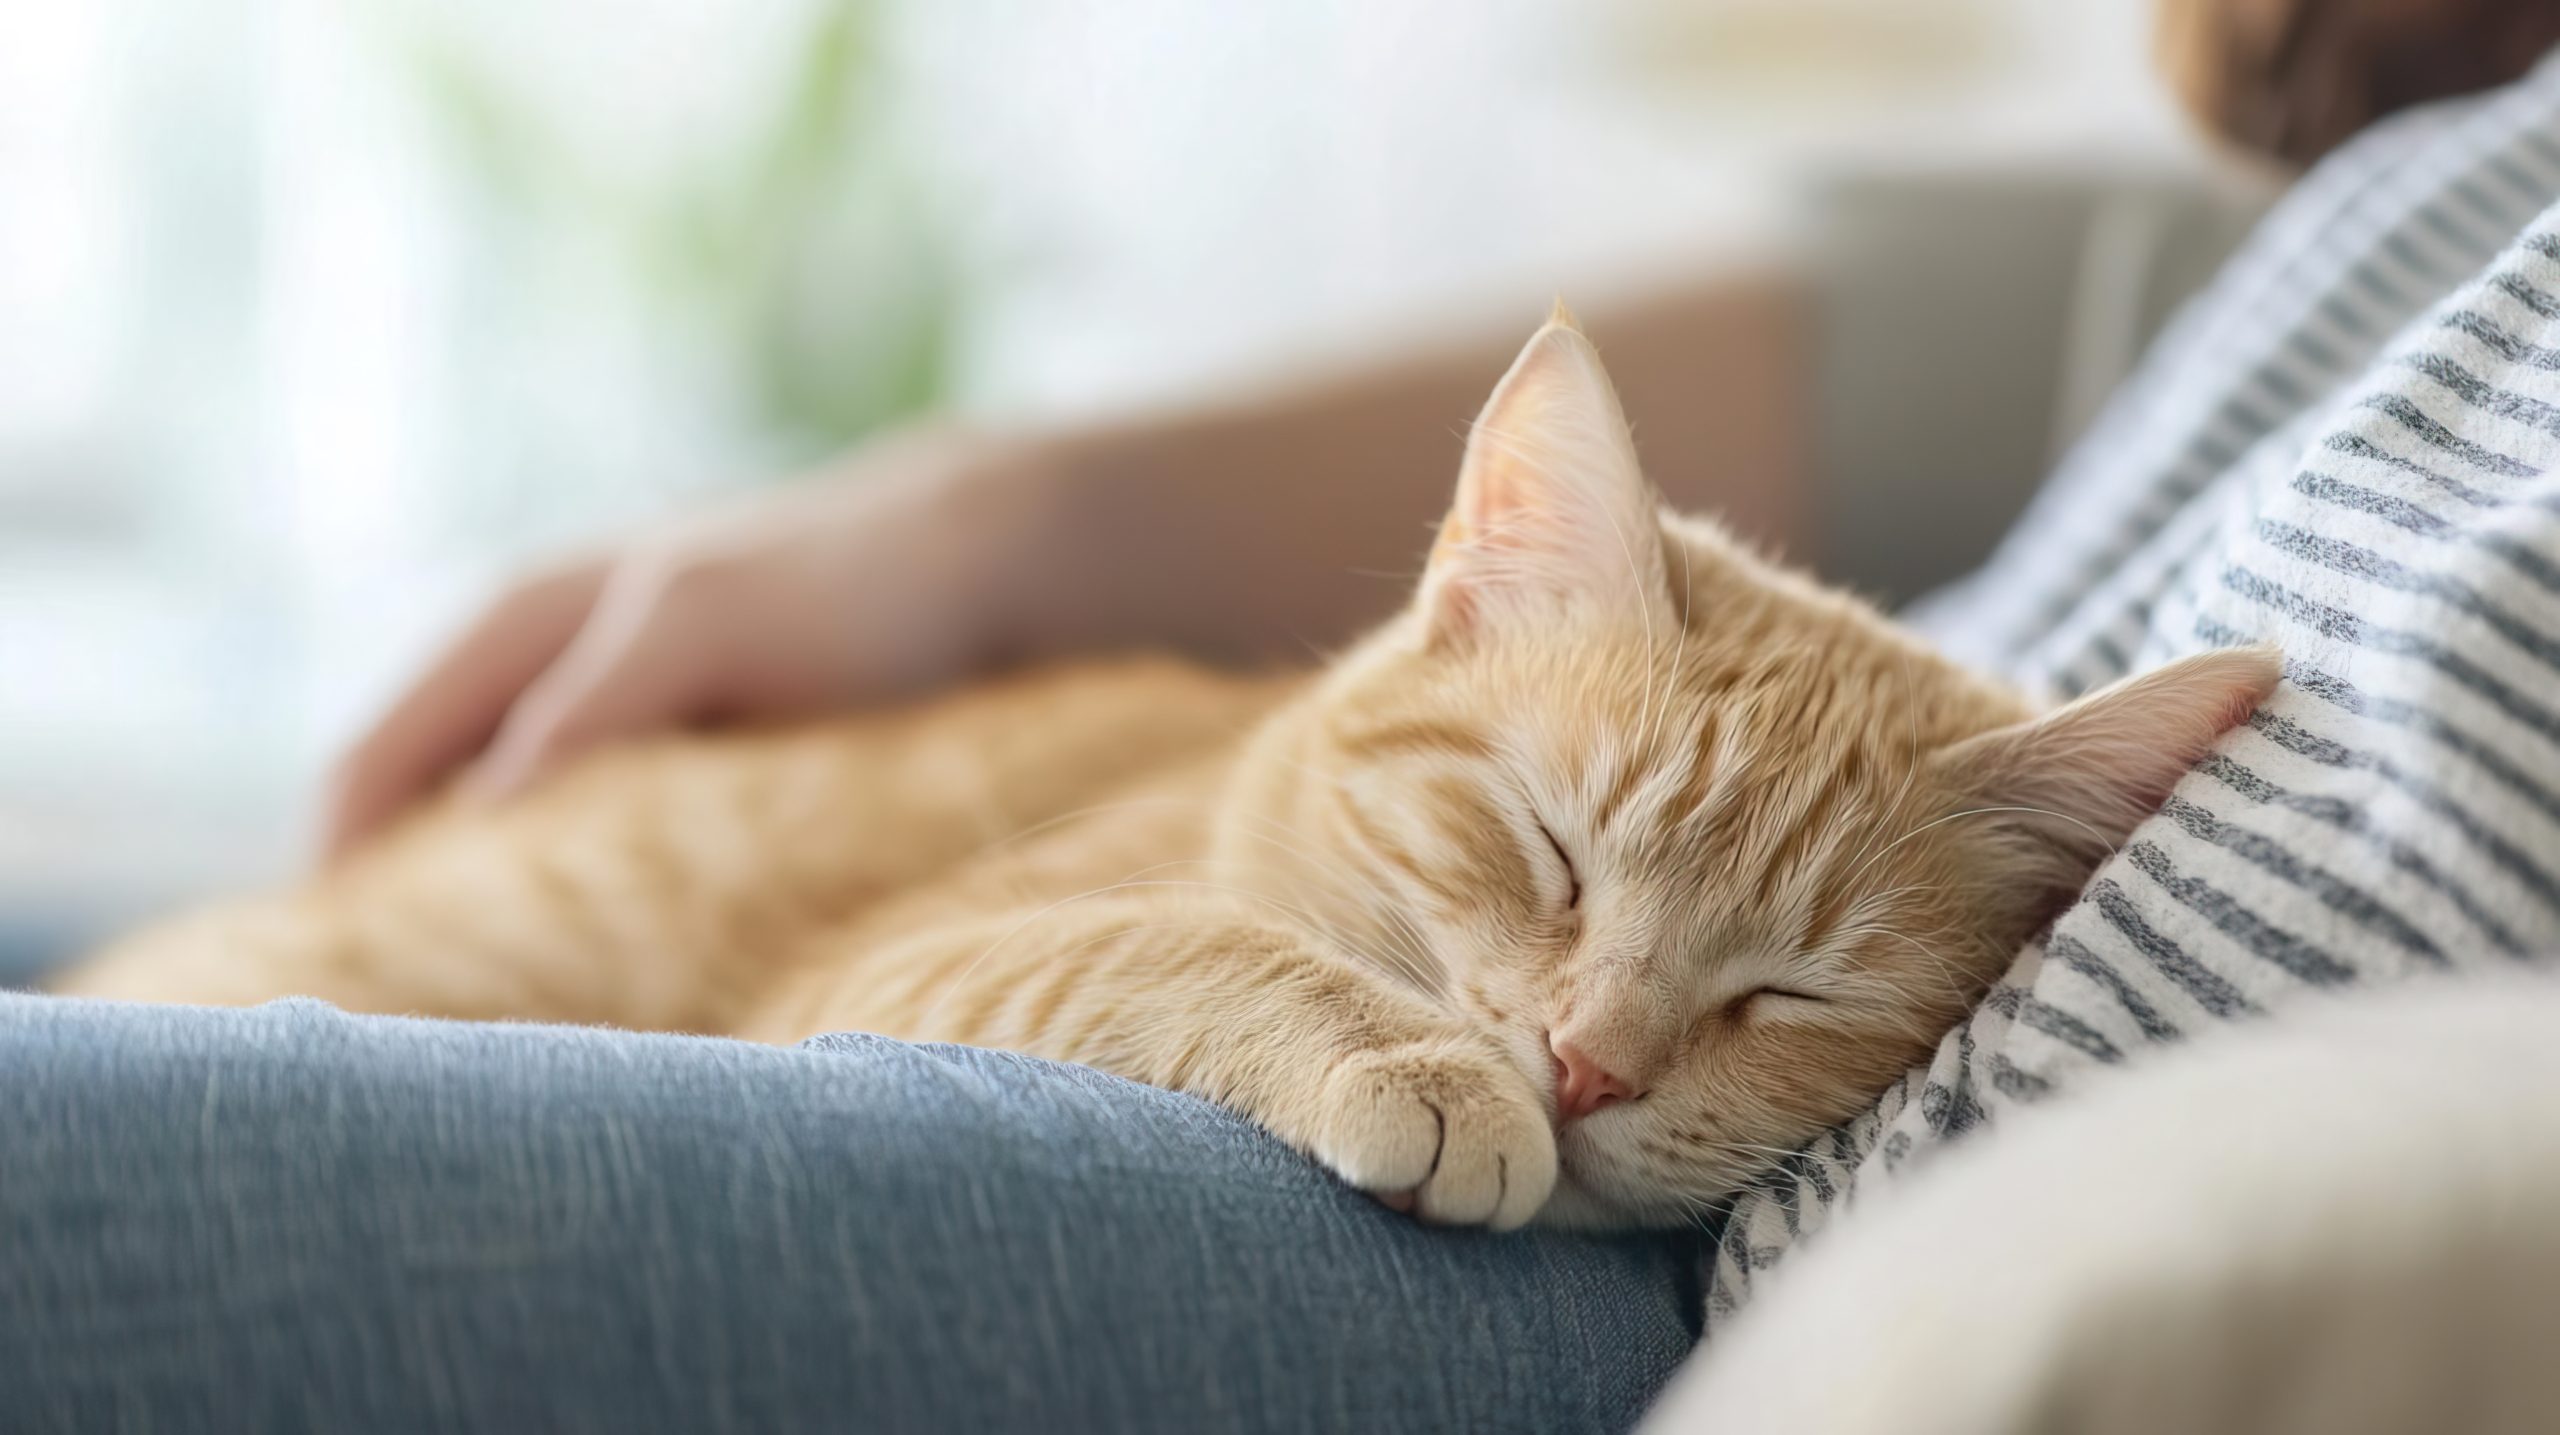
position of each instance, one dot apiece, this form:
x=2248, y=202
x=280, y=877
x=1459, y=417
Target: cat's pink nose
x=1583, y=1085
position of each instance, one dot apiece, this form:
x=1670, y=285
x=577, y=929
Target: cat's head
x=1713, y=854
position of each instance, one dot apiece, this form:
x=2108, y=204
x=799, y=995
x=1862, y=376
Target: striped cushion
x=2346, y=445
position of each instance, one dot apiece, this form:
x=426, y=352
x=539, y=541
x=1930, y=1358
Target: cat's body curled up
x=1618, y=863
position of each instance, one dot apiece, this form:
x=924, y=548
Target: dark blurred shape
x=2293, y=79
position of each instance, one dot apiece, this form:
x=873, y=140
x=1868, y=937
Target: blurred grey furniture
x=1971, y=323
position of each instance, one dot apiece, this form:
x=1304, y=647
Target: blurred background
x=318, y=315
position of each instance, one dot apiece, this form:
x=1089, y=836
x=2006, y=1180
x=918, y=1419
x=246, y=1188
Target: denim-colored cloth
x=290, y=1218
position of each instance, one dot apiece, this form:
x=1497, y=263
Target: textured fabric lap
x=292, y=1218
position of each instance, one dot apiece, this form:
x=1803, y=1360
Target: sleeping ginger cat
x=1616, y=864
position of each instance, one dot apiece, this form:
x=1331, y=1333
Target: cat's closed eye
x=1572, y=875
x=1777, y=997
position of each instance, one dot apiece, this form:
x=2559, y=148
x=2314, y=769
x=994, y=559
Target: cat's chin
x=1581, y=1204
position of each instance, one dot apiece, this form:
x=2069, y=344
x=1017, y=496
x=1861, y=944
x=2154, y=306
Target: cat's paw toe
x=1454, y=1135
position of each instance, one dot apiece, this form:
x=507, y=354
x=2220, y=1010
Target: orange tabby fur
x=1611, y=786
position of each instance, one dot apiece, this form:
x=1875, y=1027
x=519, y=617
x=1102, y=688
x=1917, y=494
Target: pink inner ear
x=2183, y=755
x=2166, y=720
x=1551, y=506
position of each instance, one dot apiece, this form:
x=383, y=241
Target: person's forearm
x=1247, y=533
x=1255, y=531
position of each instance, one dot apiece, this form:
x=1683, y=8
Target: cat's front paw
x=1450, y=1131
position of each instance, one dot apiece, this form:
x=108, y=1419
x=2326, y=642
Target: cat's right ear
x=1552, y=514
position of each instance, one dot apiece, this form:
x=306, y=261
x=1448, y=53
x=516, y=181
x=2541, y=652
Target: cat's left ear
x=1552, y=511
x=2078, y=780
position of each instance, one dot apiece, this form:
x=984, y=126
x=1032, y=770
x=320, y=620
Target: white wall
x=1172, y=192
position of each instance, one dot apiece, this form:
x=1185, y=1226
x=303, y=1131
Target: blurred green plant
x=806, y=257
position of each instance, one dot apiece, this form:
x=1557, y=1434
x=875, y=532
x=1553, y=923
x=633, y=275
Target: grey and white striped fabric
x=2350, y=444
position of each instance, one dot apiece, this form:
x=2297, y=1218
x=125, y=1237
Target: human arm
x=1237, y=531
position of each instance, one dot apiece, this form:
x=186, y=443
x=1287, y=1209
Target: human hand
x=870, y=582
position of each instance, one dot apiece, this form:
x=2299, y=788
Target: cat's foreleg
x=1363, y=1075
